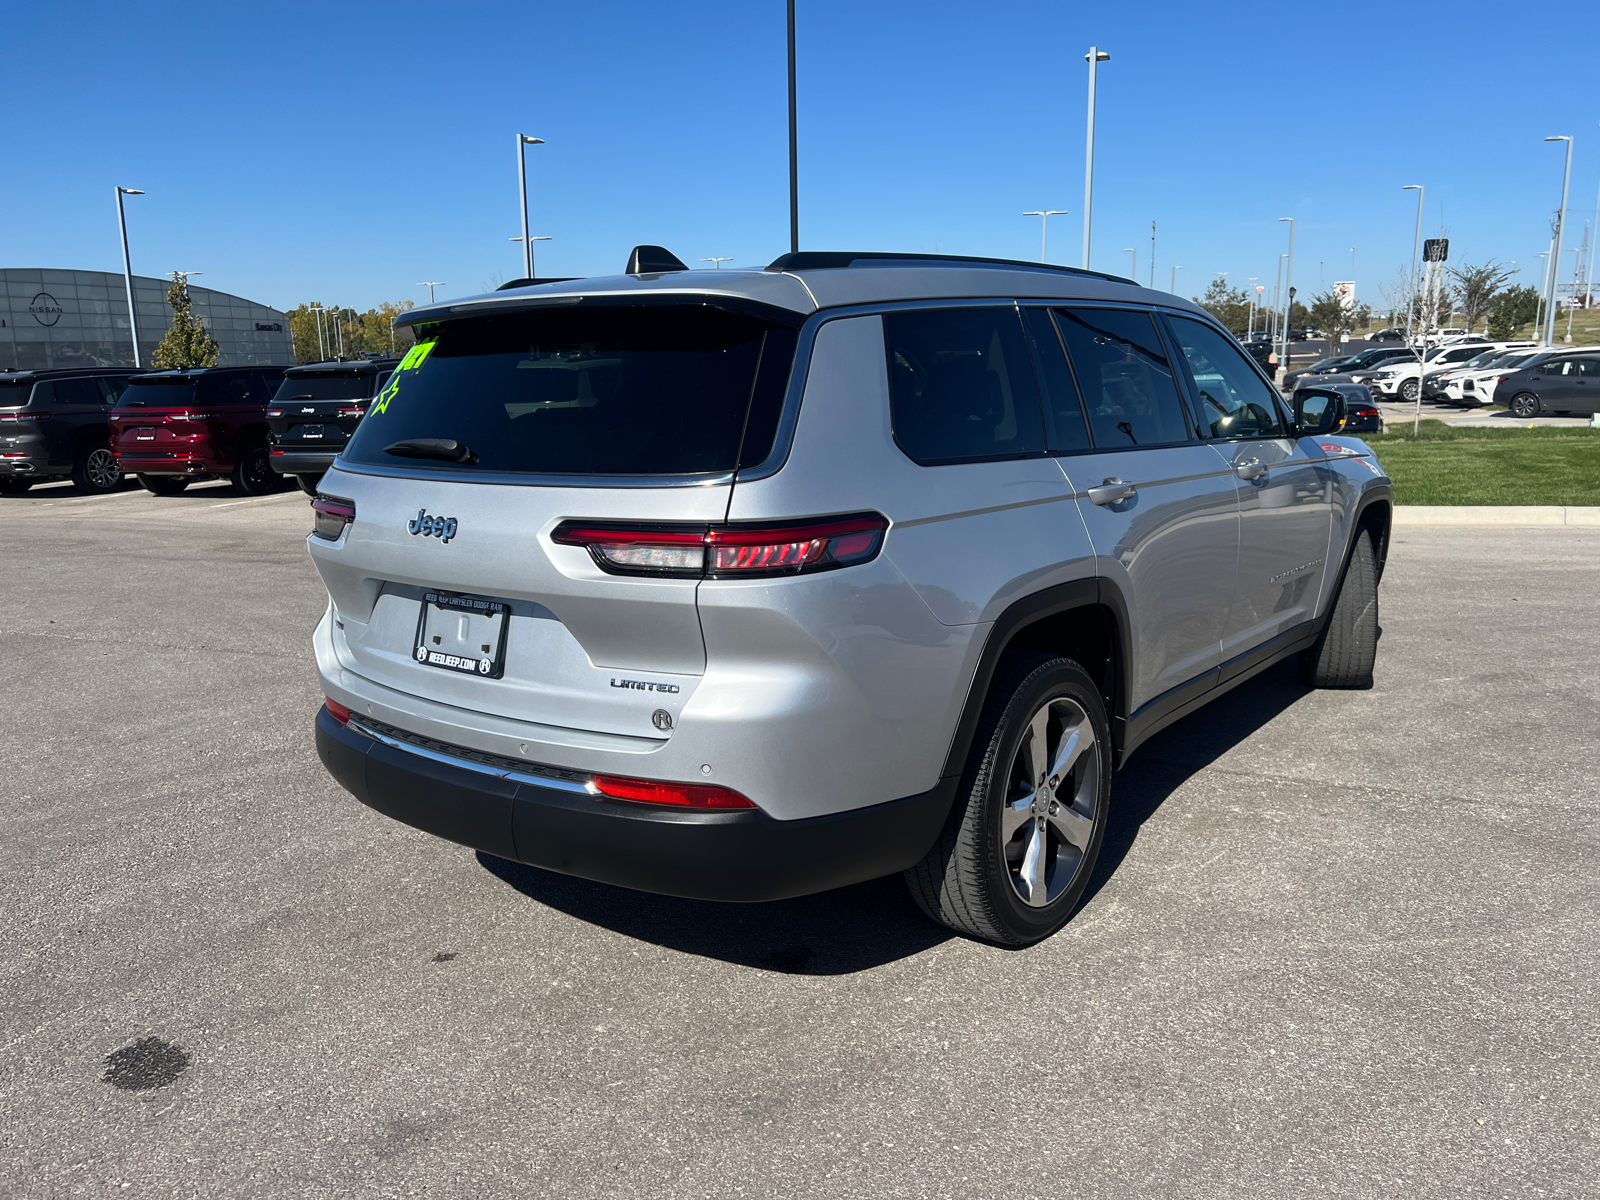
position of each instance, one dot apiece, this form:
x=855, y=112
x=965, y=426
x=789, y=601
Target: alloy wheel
x=102, y=470
x=1047, y=817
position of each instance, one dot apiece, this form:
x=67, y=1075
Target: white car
x=1403, y=379
x=1472, y=384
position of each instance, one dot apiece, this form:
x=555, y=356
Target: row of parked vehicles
x=256, y=426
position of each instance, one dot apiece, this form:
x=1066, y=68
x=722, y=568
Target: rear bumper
x=171, y=464
x=301, y=462
x=742, y=855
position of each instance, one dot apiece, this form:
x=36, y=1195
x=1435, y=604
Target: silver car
x=743, y=585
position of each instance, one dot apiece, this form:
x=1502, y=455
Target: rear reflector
x=330, y=515
x=729, y=551
x=679, y=795
x=337, y=711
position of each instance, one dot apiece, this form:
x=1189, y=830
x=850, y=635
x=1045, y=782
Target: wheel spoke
x=1030, y=877
x=1014, y=813
x=1038, y=747
x=1072, y=826
x=1073, y=744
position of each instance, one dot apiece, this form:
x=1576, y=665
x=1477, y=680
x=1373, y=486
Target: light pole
x=322, y=349
x=1555, y=260
x=718, y=261
x=1044, y=216
x=1544, y=285
x=1251, y=328
x=794, y=147
x=523, y=142
x=1277, y=295
x=1174, y=288
x=1152, y=256
x=528, y=254
x=1577, y=262
x=1416, y=245
x=430, y=284
x=1095, y=57
x=1133, y=263
x=1589, y=276
x=1288, y=288
x=127, y=268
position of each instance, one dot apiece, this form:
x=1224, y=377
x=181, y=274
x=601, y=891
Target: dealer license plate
x=311, y=431
x=463, y=633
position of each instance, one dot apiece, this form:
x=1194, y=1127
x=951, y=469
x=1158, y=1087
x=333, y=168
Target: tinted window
x=14, y=393
x=340, y=385
x=1128, y=390
x=76, y=391
x=1069, y=429
x=1235, y=402
x=1589, y=368
x=658, y=390
x=961, y=386
x=159, y=393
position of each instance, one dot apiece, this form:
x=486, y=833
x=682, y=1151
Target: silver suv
x=747, y=584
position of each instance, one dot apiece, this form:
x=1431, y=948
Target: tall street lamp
x=1044, y=216
x=1555, y=261
x=322, y=347
x=1152, y=256
x=1288, y=289
x=1253, y=290
x=127, y=268
x=527, y=241
x=1174, y=288
x=1095, y=57
x=523, y=142
x=1416, y=245
x=717, y=262
x=1133, y=262
x=430, y=284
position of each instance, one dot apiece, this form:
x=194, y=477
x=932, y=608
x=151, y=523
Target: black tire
x=308, y=483
x=163, y=485
x=1408, y=391
x=11, y=485
x=973, y=878
x=1525, y=405
x=252, y=471
x=95, y=471
x=1348, y=648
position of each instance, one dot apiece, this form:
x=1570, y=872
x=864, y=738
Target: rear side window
x=961, y=385
x=1129, y=393
x=647, y=390
x=1589, y=368
x=82, y=390
x=1235, y=402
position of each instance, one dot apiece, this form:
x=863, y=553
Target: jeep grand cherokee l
x=317, y=408
x=53, y=426
x=747, y=584
x=173, y=427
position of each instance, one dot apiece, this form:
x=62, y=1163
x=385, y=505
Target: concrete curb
x=1507, y=514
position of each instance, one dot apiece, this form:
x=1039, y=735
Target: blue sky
x=344, y=152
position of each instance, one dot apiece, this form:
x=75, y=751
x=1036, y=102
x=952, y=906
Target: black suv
x=316, y=410
x=53, y=425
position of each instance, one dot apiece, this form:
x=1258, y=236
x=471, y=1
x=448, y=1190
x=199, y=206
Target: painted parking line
x=257, y=500
x=109, y=496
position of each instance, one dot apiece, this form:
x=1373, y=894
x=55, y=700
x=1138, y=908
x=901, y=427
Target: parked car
x=1478, y=387
x=1361, y=415
x=1341, y=367
x=1402, y=377
x=1566, y=381
x=1262, y=349
x=757, y=585
x=1387, y=335
x=1447, y=385
x=316, y=409
x=53, y=426
x=173, y=427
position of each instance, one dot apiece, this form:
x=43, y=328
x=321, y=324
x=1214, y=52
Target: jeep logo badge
x=422, y=524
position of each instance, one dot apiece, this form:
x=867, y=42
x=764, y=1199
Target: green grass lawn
x=1446, y=465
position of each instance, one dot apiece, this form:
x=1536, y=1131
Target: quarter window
x=1589, y=368
x=1129, y=394
x=1235, y=402
x=961, y=386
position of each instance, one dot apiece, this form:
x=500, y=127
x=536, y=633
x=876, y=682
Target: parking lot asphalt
x=1338, y=944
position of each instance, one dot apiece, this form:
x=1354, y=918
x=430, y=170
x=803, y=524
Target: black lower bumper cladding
x=739, y=855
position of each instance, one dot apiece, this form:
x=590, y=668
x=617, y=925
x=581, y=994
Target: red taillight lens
x=25, y=416
x=337, y=711
x=679, y=795
x=351, y=412
x=729, y=551
x=330, y=515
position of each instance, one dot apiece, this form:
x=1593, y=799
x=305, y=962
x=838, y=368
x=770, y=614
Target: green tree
x=1227, y=304
x=1511, y=310
x=1475, y=288
x=1331, y=314
x=187, y=343
x=371, y=332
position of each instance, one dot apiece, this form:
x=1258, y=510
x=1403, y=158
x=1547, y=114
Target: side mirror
x=1317, y=412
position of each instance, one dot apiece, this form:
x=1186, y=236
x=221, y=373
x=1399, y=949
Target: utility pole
x=1095, y=57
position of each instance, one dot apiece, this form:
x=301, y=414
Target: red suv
x=171, y=427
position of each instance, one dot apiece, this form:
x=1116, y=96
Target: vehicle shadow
x=856, y=928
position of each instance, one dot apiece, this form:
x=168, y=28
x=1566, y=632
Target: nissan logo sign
x=44, y=308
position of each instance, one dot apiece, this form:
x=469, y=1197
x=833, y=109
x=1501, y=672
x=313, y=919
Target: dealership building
x=80, y=319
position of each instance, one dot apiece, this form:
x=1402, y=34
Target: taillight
x=729, y=551
x=274, y=412
x=330, y=515
x=679, y=795
x=351, y=412
x=25, y=416
x=337, y=711
x=186, y=416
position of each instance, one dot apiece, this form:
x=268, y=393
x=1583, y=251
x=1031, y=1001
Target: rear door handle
x=1254, y=469
x=1111, y=491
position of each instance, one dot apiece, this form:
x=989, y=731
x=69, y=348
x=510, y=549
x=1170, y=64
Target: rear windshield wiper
x=443, y=449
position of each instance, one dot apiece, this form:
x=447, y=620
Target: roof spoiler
x=653, y=260
x=531, y=282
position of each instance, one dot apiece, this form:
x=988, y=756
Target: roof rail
x=825, y=260
x=532, y=282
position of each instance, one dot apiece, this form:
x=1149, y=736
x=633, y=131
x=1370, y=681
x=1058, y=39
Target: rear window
x=647, y=390
x=332, y=385
x=14, y=393
x=202, y=391
x=164, y=393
